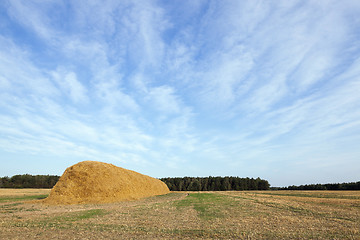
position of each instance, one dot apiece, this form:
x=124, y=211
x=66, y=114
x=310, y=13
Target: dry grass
x=191, y=215
x=22, y=192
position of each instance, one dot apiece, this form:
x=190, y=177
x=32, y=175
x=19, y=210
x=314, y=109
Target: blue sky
x=266, y=89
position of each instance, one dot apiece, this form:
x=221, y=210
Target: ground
x=186, y=215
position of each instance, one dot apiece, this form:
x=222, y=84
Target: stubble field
x=186, y=215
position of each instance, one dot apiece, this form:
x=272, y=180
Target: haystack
x=97, y=182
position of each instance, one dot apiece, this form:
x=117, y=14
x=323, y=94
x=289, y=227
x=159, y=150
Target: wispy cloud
x=31, y=16
x=69, y=84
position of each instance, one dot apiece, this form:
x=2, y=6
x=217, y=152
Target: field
x=186, y=215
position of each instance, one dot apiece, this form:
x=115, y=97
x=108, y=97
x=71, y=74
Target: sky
x=267, y=89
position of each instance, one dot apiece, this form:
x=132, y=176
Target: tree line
x=327, y=186
x=29, y=181
x=215, y=183
x=174, y=184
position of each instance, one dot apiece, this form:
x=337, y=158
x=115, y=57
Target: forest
x=215, y=183
x=327, y=186
x=29, y=181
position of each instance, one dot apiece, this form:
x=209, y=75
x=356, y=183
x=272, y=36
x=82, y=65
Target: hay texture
x=97, y=182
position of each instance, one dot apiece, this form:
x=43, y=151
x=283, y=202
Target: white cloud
x=76, y=89
x=109, y=91
x=4, y=84
x=32, y=17
x=98, y=17
x=163, y=99
x=18, y=70
x=257, y=60
x=91, y=54
x=68, y=82
x=225, y=73
x=148, y=46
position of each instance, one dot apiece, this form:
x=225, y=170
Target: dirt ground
x=186, y=215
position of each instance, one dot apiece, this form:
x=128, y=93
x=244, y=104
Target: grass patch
x=207, y=205
x=10, y=208
x=168, y=195
x=63, y=221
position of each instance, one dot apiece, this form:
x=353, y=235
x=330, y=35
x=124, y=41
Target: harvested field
x=22, y=192
x=190, y=215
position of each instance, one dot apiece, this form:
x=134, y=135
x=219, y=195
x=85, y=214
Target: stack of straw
x=97, y=182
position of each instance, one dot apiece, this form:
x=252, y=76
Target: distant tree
x=194, y=185
x=225, y=186
x=328, y=186
x=215, y=184
x=204, y=184
x=29, y=181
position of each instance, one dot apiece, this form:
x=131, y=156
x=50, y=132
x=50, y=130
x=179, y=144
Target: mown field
x=186, y=215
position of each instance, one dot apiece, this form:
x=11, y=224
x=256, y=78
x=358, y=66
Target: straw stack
x=97, y=182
